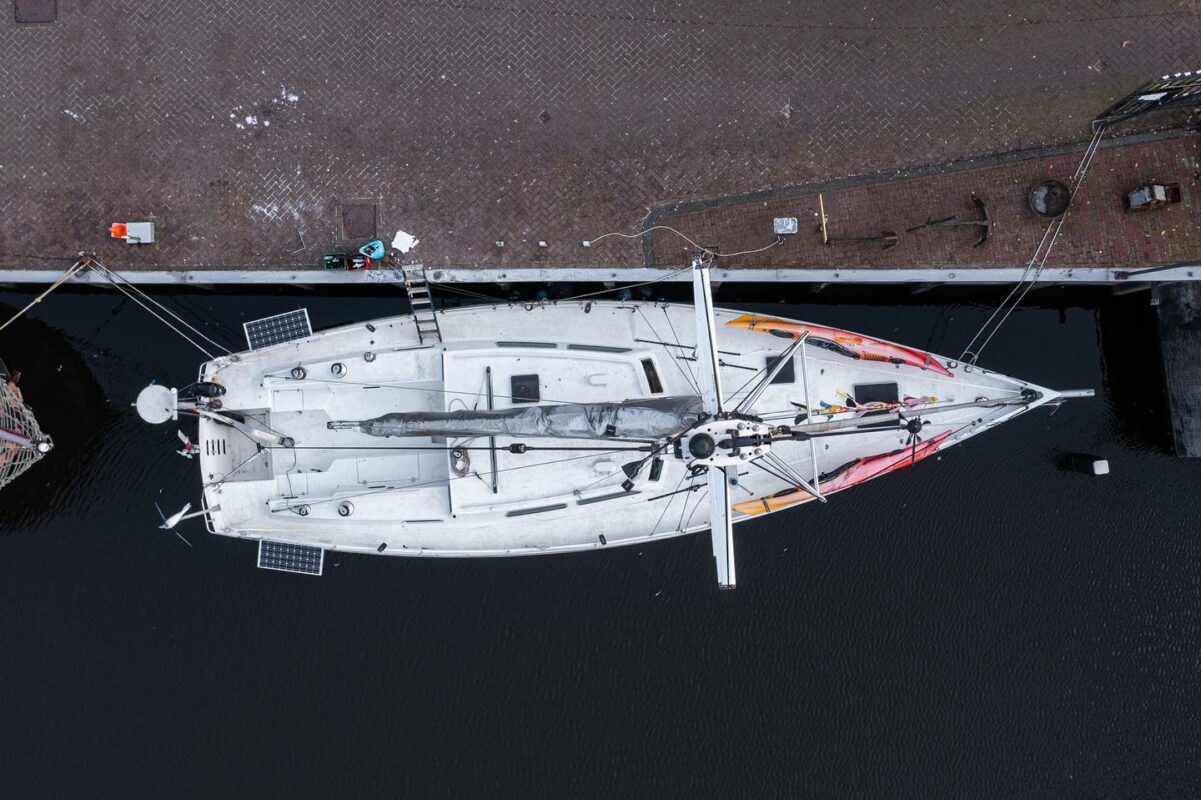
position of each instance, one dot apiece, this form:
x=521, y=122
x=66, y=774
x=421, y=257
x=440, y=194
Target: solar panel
x=281, y=328
x=287, y=557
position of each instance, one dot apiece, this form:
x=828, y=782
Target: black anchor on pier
x=886, y=238
x=985, y=222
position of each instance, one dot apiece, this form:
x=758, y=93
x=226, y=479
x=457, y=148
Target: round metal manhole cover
x=358, y=221
x=1050, y=199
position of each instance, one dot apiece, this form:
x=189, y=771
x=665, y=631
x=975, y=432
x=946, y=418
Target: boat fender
x=1088, y=464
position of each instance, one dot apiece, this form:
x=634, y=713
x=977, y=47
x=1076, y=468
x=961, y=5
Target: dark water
x=987, y=626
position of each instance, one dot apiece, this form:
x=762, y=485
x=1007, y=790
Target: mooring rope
x=112, y=277
x=66, y=276
x=1037, y=262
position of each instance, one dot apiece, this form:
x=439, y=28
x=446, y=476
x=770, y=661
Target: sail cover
x=633, y=419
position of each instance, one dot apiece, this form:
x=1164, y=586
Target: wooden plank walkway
x=1180, y=343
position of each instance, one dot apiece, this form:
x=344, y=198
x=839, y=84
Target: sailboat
x=512, y=430
x=22, y=443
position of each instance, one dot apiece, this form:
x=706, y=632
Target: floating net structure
x=22, y=443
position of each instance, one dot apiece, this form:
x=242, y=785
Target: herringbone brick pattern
x=240, y=126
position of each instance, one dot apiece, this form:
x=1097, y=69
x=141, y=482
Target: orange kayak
x=850, y=344
x=850, y=474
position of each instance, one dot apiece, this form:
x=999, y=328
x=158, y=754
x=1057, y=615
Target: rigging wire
x=471, y=293
x=1046, y=253
x=197, y=309
x=222, y=480
x=671, y=498
x=688, y=378
x=66, y=276
x=384, y=385
x=687, y=498
x=112, y=278
x=1041, y=253
x=480, y=448
x=435, y=482
x=183, y=335
x=672, y=326
x=671, y=274
x=772, y=471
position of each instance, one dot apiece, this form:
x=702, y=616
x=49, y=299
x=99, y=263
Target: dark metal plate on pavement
x=36, y=10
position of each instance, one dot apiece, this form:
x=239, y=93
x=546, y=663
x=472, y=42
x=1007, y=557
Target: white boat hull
x=348, y=491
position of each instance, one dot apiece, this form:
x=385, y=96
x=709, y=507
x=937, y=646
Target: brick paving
x=1097, y=233
x=242, y=128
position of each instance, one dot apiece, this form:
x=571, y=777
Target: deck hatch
x=525, y=389
x=287, y=557
x=787, y=373
x=876, y=393
x=652, y=376
x=278, y=329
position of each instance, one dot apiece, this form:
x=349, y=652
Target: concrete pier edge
x=1189, y=271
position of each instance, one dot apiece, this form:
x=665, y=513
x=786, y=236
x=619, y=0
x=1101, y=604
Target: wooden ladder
x=424, y=315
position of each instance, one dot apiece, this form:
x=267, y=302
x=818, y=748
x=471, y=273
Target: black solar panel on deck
x=281, y=328
x=287, y=557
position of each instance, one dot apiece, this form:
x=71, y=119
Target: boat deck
x=342, y=488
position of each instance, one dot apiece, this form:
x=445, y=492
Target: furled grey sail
x=651, y=419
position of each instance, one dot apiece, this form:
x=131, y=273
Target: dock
x=503, y=136
x=1179, y=315
x=1099, y=242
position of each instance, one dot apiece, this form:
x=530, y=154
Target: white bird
x=170, y=522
